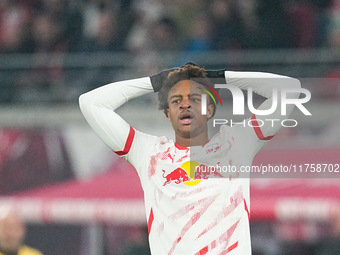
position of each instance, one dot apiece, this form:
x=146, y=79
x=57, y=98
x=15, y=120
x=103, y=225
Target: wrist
x=219, y=73
x=158, y=79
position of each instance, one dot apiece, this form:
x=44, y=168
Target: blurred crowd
x=29, y=26
x=145, y=28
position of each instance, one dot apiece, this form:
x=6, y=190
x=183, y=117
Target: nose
x=185, y=104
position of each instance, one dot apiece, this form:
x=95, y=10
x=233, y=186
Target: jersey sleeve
x=98, y=107
x=262, y=128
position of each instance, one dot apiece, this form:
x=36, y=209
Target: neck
x=192, y=141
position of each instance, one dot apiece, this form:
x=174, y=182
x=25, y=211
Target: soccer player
x=189, y=213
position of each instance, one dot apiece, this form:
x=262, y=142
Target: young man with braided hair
x=188, y=213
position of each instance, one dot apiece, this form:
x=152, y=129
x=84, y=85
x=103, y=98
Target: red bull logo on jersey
x=190, y=173
x=178, y=175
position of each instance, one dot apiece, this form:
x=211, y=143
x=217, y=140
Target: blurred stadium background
x=79, y=198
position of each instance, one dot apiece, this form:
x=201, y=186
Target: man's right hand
x=220, y=73
x=157, y=80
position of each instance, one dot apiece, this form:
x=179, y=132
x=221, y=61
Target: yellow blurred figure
x=12, y=233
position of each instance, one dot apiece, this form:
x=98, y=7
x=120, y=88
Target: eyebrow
x=180, y=96
x=195, y=94
x=174, y=96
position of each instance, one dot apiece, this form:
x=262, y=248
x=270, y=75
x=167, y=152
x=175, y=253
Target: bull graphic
x=178, y=175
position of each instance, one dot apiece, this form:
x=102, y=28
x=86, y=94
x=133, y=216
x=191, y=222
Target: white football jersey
x=194, y=205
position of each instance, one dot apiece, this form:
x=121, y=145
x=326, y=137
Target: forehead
x=11, y=220
x=186, y=87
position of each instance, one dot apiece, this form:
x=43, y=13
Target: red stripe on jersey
x=203, y=251
x=128, y=143
x=230, y=232
x=222, y=239
x=200, y=206
x=246, y=208
x=181, y=147
x=150, y=220
x=232, y=247
x=258, y=130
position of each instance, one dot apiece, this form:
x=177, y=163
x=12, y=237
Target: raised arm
x=269, y=86
x=98, y=107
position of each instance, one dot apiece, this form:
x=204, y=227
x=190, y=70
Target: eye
x=195, y=99
x=176, y=101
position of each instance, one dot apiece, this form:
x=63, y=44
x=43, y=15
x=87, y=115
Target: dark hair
x=185, y=72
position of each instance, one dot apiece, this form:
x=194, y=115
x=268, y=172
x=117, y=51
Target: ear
x=167, y=114
x=210, y=111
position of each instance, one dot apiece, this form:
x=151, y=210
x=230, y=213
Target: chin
x=185, y=133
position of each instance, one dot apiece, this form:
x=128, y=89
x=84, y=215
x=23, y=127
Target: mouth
x=186, y=118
